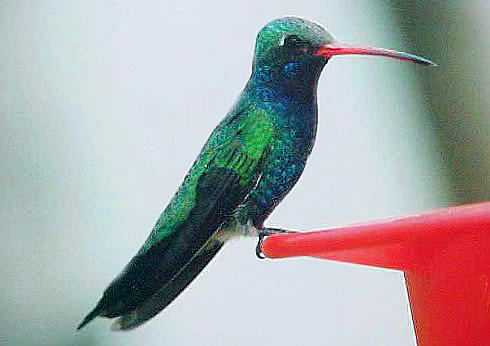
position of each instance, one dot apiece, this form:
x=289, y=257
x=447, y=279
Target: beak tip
x=427, y=62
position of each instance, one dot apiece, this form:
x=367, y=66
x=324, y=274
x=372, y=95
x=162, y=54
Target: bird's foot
x=265, y=232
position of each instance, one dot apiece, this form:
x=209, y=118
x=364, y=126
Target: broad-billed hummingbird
x=250, y=162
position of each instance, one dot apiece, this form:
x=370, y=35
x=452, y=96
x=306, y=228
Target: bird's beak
x=338, y=48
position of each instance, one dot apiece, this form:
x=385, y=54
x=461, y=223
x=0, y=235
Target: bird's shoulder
x=249, y=126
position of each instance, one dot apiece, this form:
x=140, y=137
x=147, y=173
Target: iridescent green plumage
x=238, y=143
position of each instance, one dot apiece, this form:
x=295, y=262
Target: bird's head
x=292, y=47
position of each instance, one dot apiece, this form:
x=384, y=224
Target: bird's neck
x=292, y=84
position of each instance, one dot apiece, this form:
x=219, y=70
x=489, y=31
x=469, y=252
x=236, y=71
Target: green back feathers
x=238, y=146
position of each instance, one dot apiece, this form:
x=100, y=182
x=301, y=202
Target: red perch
x=444, y=254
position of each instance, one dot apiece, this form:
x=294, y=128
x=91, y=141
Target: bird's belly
x=234, y=230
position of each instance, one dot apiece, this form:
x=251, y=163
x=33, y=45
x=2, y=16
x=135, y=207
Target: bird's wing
x=220, y=180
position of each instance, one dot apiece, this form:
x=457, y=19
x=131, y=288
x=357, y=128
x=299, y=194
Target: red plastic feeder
x=444, y=254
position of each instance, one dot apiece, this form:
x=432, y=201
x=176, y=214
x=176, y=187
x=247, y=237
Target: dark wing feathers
x=153, y=278
x=168, y=262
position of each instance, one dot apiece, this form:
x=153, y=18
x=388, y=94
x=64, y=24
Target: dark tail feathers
x=98, y=310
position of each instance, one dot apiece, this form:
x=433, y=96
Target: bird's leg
x=265, y=232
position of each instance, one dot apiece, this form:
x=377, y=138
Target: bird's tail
x=165, y=295
x=98, y=310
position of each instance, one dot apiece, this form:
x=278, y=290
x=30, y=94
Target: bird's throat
x=294, y=82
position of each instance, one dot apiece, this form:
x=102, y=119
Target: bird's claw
x=265, y=232
x=258, y=248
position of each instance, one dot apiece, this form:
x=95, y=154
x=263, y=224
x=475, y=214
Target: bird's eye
x=292, y=40
x=296, y=43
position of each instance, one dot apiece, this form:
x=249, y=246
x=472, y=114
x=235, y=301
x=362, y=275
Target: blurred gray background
x=104, y=106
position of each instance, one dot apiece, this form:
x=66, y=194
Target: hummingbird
x=250, y=162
